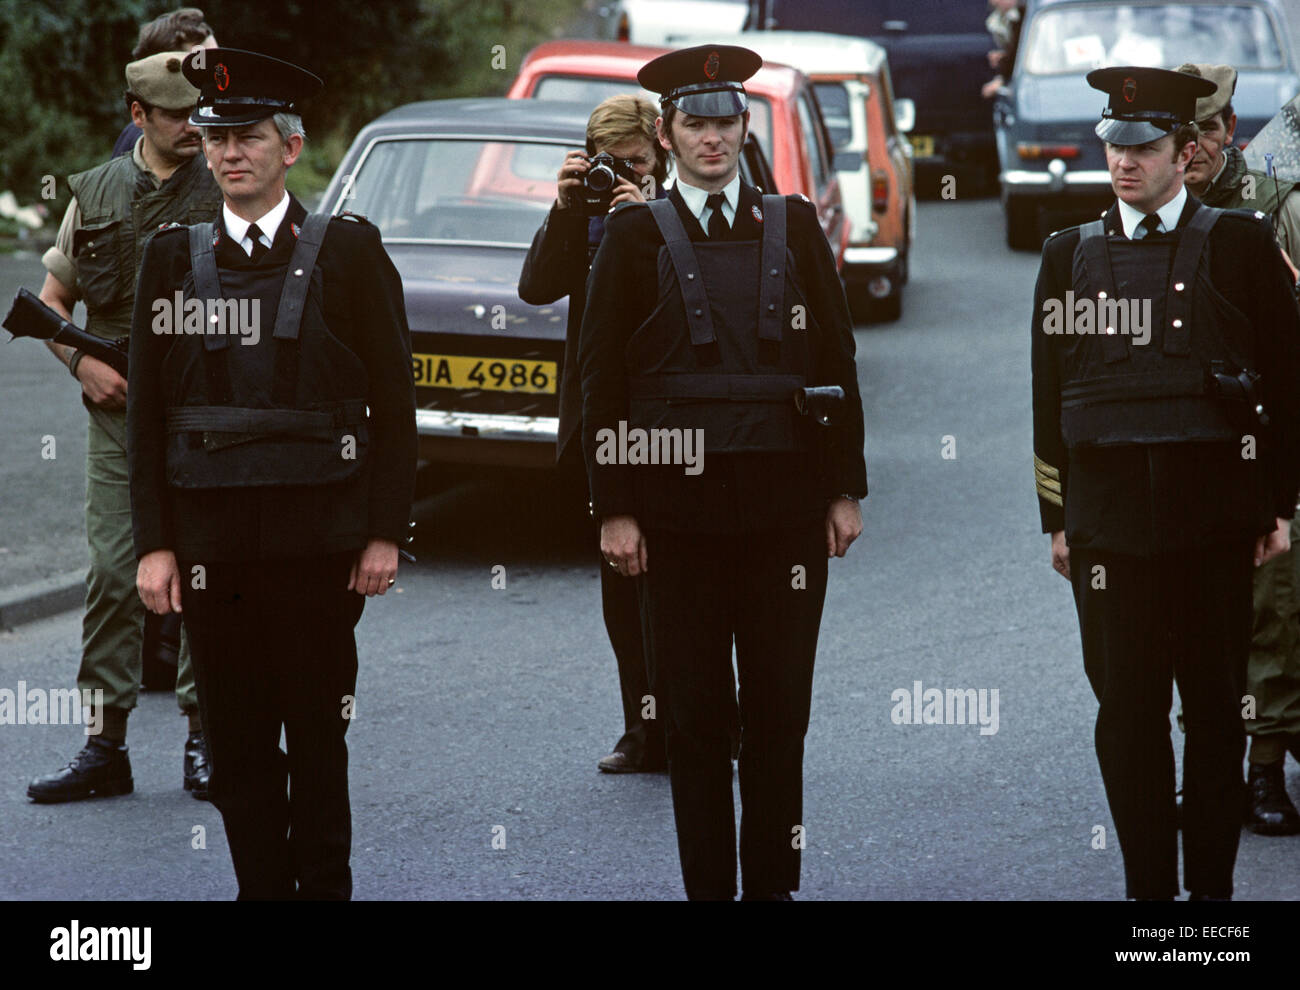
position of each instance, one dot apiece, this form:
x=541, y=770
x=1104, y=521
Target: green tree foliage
x=69, y=56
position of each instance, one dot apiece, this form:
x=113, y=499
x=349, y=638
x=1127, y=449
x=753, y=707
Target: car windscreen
x=834, y=100
x=1077, y=39
x=456, y=190
x=592, y=90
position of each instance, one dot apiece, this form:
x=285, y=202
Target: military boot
x=101, y=769
x=1271, y=811
x=196, y=766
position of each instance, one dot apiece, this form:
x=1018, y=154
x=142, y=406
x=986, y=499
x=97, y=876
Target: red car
x=783, y=114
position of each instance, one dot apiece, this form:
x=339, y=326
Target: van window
x=1080, y=38
x=834, y=99
x=808, y=125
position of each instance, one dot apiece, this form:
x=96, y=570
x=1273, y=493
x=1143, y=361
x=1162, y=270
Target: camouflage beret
x=1224, y=78
x=158, y=80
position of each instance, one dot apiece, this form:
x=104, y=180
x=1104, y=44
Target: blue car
x=1051, y=160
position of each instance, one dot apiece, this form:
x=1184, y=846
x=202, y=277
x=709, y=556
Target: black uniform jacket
x=363, y=307
x=1146, y=499
x=556, y=266
x=734, y=492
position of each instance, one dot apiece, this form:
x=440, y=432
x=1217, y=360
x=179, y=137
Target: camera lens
x=600, y=179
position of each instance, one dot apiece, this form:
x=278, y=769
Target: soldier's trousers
x=763, y=591
x=1145, y=622
x=112, y=629
x=1273, y=676
x=273, y=646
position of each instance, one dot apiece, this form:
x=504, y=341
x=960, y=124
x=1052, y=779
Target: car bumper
x=487, y=438
x=1058, y=181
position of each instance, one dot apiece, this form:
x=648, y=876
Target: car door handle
x=895, y=25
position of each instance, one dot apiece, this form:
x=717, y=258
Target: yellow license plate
x=922, y=145
x=489, y=374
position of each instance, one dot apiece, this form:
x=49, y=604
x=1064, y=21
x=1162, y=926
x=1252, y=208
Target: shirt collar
x=1130, y=217
x=1222, y=165
x=268, y=223
x=137, y=156
x=695, y=197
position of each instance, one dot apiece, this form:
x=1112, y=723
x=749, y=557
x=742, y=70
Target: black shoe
x=620, y=762
x=783, y=895
x=101, y=769
x=196, y=766
x=1270, y=811
x=1206, y=897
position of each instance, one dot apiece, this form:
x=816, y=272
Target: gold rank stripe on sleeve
x=1048, y=480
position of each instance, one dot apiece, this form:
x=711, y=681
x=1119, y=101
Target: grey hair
x=287, y=124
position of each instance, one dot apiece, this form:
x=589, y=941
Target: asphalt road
x=480, y=708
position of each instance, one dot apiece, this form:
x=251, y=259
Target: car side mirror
x=904, y=114
x=847, y=161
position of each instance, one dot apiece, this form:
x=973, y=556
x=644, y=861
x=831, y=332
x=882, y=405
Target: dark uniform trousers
x=700, y=593
x=1184, y=614
x=273, y=646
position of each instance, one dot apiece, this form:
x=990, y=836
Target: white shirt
x=268, y=223
x=1130, y=217
x=694, y=198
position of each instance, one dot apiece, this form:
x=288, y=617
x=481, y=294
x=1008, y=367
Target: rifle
x=29, y=317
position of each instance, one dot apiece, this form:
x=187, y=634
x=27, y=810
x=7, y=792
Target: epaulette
x=354, y=217
x=1246, y=213
x=170, y=226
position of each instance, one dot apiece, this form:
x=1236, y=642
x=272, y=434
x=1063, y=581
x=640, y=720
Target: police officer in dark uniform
x=272, y=465
x=706, y=313
x=1165, y=455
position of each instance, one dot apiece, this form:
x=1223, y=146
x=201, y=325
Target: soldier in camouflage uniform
x=117, y=208
x=1219, y=177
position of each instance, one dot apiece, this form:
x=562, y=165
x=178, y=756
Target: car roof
x=479, y=115
x=813, y=52
x=619, y=60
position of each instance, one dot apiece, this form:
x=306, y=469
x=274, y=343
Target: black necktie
x=718, y=228
x=1147, y=227
x=259, y=249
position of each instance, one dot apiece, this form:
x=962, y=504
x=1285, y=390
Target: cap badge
x=758, y=214
x=221, y=76
x=711, y=66
x=1130, y=89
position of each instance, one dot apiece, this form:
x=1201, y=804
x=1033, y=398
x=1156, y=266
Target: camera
x=599, y=182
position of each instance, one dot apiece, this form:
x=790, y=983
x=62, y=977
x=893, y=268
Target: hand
x=626, y=191
x=375, y=569
x=622, y=545
x=157, y=579
x=103, y=386
x=1276, y=542
x=990, y=89
x=843, y=525
x=569, y=178
x=1060, y=554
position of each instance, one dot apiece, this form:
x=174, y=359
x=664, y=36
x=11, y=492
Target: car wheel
x=1023, y=233
x=867, y=309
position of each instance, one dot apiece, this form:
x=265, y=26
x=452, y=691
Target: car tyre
x=1023, y=231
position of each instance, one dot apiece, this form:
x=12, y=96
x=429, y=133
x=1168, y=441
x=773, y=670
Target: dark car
x=457, y=188
x=938, y=57
x=1053, y=165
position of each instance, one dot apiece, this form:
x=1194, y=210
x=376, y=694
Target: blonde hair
x=626, y=117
